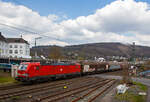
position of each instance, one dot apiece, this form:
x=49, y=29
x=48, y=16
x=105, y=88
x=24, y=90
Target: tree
x=55, y=53
x=126, y=77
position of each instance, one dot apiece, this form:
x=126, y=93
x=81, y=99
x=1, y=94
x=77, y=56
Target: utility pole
x=0, y=52
x=133, y=52
x=35, y=45
x=21, y=36
x=126, y=77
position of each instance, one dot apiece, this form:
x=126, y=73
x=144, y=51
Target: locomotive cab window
x=23, y=67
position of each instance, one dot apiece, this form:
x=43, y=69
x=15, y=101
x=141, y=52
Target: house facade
x=3, y=46
x=14, y=47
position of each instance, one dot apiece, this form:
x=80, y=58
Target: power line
x=20, y=29
x=28, y=31
x=23, y=26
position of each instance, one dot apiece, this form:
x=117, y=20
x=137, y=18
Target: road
x=141, y=80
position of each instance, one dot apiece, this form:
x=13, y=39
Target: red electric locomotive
x=33, y=71
x=36, y=71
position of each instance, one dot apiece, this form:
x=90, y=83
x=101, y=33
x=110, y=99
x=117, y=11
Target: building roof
x=16, y=40
x=2, y=38
x=12, y=40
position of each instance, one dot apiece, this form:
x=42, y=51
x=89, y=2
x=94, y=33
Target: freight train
x=36, y=71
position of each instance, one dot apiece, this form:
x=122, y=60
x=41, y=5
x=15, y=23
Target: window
x=10, y=46
x=27, y=46
x=2, y=50
x=23, y=67
x=16, y=46
x=20, y=46
x=26, y=52
x=10, y=51
x=6, y=51
x=16, y=51
x=21, y=52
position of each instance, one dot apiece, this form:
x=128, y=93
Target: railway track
x=68, y=93
x=90, y=97
x=11, y=86
x=34, y=89
x=22, y=86
x=80, y=89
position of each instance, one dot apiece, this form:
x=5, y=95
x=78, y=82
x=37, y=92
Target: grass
x=138, y=98
x=131, y=95
x=142, y=87
x=5, y=77
x=6, y=80
x=15, y=97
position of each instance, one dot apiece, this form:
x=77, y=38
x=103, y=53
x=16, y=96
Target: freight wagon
x=36, y=71
x=93, y=68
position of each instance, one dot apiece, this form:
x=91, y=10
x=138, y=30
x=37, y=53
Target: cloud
x=55, y=42
x=120, y=21
x=25, y=18
x=112, y=22
x=53, y=17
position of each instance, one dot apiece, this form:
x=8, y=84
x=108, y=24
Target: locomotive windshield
x=23, y=67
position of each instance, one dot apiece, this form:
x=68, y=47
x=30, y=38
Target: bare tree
x=126, y=77
x=55, y=53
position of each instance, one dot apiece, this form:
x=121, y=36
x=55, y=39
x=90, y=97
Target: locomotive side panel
x=36, y=72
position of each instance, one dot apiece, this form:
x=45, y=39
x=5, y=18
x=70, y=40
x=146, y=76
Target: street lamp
x=0, y=52
x=35, y=45
x=37, y=39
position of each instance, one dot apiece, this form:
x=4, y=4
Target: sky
x=69, y=22
x=69, y=8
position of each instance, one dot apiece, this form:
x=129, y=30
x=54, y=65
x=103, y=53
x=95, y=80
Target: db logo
x=61, y=69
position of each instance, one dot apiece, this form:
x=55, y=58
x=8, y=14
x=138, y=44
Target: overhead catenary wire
x=23, y=26
x=30, y=32
x=27, y=31
x=16, y=28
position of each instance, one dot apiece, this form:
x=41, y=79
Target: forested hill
x=95, y=49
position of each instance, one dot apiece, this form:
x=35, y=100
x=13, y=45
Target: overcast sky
x=69, y=22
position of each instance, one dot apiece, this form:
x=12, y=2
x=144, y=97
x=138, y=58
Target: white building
x=3, y=46
x=100, y=59
x=14, y=47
